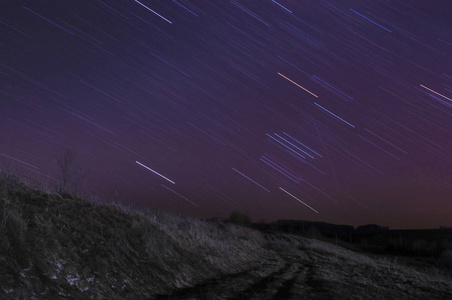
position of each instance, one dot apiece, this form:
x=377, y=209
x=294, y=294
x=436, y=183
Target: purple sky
x=335, y=111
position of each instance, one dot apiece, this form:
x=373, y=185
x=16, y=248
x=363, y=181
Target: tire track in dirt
x=232, y=286
x=286, y=290
x=312, y=282
x=283, y=275
x=269, y=286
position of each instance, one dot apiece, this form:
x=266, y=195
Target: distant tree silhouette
x=239, y=218
x=314, y=232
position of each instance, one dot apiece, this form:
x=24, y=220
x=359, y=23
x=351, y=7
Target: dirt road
x=316, y=270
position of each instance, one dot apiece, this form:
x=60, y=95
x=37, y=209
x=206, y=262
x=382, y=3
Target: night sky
x=335, y=111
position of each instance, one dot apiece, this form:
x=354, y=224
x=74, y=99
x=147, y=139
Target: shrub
x=239, y=218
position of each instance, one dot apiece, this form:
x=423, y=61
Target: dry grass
x=380, y=270
x=58, y=245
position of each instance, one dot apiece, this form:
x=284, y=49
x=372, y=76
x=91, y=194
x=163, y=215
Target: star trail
x=343, y=106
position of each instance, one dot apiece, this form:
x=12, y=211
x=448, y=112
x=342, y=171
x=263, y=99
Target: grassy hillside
x=53, y=245
x=59, y=246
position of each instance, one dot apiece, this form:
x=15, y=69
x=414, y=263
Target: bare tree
x=71, y=173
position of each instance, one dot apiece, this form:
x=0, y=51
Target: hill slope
x=55, y=246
